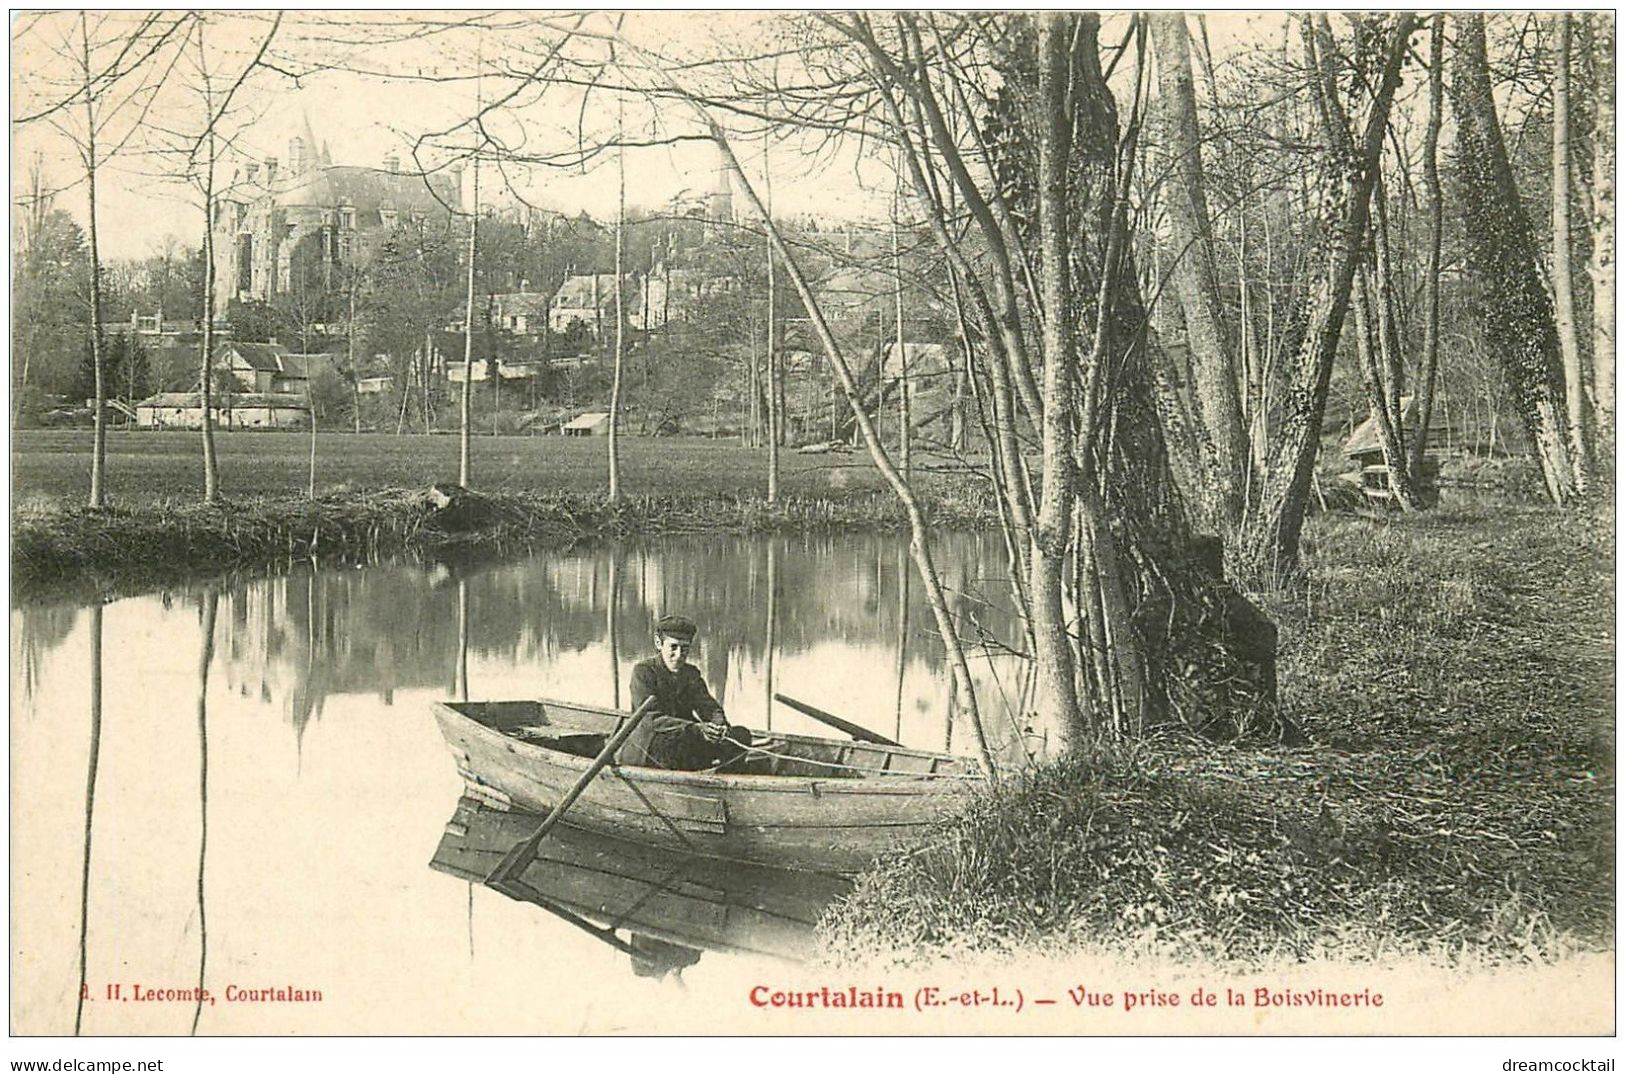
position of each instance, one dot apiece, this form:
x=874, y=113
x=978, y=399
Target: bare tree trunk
x=1601, y=268
x=349, y=346
x=1517, y=315
x=98, y=450
x=1568, y=335
x=310, y=405
x=1271, y=533
x=35, y=201
x=1220, y=439
x=465, y=434
x=211, y=461
x=905, y=433
x=425, y=370
x=775, y=379
x=620, y=332
x=1377, y=378
x=1057, y=697
x=1430, y=279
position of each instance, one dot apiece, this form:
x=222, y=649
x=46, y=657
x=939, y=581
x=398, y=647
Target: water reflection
x=208, y=612
x=280, y=728
x=91, y=766
x=827, y=620
x=671, y=905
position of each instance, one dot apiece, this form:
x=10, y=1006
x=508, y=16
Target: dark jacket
x=669, y=736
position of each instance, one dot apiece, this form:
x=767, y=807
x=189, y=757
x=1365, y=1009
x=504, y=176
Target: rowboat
x=609, y=886
x=806, y=803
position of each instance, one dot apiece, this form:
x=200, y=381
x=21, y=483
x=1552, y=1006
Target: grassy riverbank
x=1455, y=672
x=538, y=493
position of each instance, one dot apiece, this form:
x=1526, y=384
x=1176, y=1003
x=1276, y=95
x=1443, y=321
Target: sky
x=363, y=116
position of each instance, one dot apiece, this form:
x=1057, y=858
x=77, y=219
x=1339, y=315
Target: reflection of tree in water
x=306, y=635
x=38, y=629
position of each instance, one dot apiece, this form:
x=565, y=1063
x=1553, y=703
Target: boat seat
x=579, y=745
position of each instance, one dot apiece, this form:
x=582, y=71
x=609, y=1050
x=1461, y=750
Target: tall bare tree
x=1275, y=517
x=1220, y=440
x=1601, y=266
x=205, y=111
x=465, y=432
x=1568, y=332
x=115, y=62
x=620, y=326
x=775, y=375
x=1515, y=312
x=1427, y=377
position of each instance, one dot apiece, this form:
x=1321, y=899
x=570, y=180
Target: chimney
x=253, y=171
x=296, y=155
x=392, y=163
x=270, y=170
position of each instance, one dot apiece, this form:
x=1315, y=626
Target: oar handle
x=862, y=734
x=515, y=861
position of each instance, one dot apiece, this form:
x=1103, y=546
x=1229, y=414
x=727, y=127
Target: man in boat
x=685, y=727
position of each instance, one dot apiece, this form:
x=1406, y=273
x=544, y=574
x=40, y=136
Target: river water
x=262, y=788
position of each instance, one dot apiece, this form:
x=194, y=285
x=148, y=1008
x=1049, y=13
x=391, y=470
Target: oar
x=524, y=853
x=862, y=734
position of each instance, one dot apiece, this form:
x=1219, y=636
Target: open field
x=1455, y=674
x=372, y=501
x=142, y=464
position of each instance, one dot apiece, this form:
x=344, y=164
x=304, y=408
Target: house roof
x=576, y=291
x=274, y=358
x=263, y=357
x=1364, y=440
x=220, y=400
x=587, y=421
x=520, y=302
x=300, y=365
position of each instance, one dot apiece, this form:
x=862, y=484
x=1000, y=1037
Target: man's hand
x=714, y=732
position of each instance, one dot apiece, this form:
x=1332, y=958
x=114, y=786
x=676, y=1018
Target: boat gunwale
x=872, y=782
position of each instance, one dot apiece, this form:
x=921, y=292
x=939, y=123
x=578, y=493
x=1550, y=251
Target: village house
x=1364, y=449
x=269, y=209
x=250, y=410
x=270, y=367
x=669, y=295
x=524, y=313
x=506, y=368
x=585, y=300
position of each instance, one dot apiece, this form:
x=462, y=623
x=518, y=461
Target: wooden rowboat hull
x=865, y=800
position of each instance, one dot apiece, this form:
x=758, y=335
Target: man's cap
x=680, y=627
